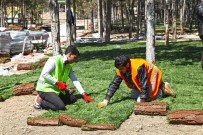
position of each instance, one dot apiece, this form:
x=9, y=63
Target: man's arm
x=78, y=86
x=76, y=83
x=48, y=67
x=142, y=77
x=114, y=85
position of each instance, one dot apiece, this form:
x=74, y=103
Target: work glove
x=87, y=99
x=103, y=104
x=61, y=85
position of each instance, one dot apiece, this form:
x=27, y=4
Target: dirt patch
x=15, y=111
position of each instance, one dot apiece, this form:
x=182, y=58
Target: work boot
x=38, y=101
x=168, y=91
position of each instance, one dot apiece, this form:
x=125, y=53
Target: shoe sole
x=170, y=90
x=37, y=107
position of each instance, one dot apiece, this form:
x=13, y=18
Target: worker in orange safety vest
x=143, y=78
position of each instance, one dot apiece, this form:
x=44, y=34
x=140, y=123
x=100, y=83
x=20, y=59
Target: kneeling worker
x=51, y=85
x=143, y=78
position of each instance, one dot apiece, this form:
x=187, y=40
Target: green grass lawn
x=180, y=64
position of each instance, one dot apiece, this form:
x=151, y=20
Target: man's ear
x=68, y=54
x=128, y=65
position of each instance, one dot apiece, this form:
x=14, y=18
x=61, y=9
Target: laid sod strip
x=34, y=121
x=29, y=88
x=187, y=117
x=151, y=108
x=115, y=113
x=93, y=127
x=71, y=121
x=31, y=66
x=8, y=82
x=23, y=89
x=4, y=57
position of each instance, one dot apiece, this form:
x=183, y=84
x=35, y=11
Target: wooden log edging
x=71, y=121
x=93, y=127
x=187, y=117
x=151, y=108
x=34, y=121
x=23, y=89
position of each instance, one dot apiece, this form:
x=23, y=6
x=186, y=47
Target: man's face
x=124, y=69
x=71, y=58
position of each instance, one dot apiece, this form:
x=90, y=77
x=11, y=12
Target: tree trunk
x=131, y=17
x=75, y=23
x=92, y=20
x=174, y=10
x=162, y=11
x=139, y=17
x=166, y=22
x=69, y=33
x=55, y=27
x=150, y=31
x=182, y=16
x=2, y=14
x=104, y=16
x=122, y=13
x=108, y=21
x=100, y=19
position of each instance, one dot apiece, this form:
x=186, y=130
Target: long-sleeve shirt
x=50, y=65
x=142, y=77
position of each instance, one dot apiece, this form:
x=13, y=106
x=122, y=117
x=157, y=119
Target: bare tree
x=55, y=27
x=100, y=19
x=131, y=17
x=108, y=21
x=92, y=20
x=150, y=31
x=139, y=18
x=106, y=4
x=69, y=37
x=166, y=22
x=74, y=11
x=174, y=12
x=182, y=15
x=2, y=13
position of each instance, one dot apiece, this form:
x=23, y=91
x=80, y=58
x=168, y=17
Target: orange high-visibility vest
x=153, y=73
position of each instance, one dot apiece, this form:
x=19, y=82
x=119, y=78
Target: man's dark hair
x=121, y=60
x=72, y=49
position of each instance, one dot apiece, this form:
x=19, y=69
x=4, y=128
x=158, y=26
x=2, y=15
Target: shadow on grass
x=185, y=52
x=118, y=101
x=79, y=96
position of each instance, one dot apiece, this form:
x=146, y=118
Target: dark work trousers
x=51, y=100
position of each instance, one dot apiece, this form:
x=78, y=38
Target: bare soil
x=15, y=111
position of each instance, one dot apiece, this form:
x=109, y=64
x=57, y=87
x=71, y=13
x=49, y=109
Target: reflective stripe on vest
x=152, y=71
x=60, y=73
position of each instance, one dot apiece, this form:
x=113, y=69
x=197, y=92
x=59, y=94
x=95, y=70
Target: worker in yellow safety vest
x=51, y=86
